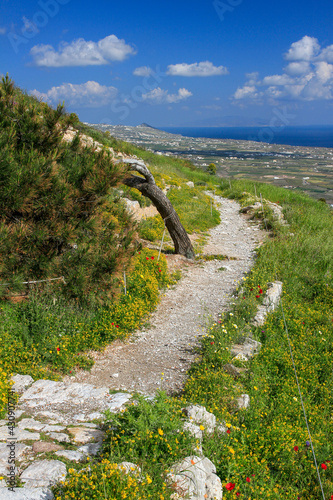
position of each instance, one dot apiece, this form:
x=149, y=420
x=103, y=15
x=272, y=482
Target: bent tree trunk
x=148, y=188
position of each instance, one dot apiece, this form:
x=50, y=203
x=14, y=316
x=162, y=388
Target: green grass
x=265, y=454
x=262, y=440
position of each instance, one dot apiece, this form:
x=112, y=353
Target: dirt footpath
x=165, y=349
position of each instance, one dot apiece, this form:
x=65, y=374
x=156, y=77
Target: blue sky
x=184, y=63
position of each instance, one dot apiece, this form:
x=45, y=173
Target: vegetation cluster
x=266, y=451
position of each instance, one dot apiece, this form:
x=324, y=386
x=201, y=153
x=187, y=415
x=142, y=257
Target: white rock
x=5, y=450
x=193, y=429
x=19, y=434
x=246, y=350
x=270, y=302
x=80, y=417
x=190, y=184
x=26, y=494
x=95, y=416
x=222, y=428
x=90, y=449
x=118, y=400
x=199, y=415
x=131, y=205
x=61, y=437
x=74, y=455
x=129, y=468
x=53, y=428
x=21, y=382
x=31, y=424
x=55, y=417
x=243, y=402
x=84, y=435
x=196, y=478
x=44, y=473
x=213, y=487
x=48, y=392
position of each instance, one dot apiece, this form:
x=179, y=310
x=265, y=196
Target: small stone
x=84, y=435
x=26, y=494
x=247, y=349
x=193, y=429
x=44, y=473
x=195, y=478
x=30, y=423
x=213, y=487
x=21, y=382
x=221, y=428
x=129, y=468
x=51, y=416
x=5, y=449
x=19, y=434
x=53, y=428
x=90, y=449
x=95, y=416
x=243, y=402
x=44, y=446
x=234, y=371
x=118, y=400
x=74, y=455
x=59, y=436
x=199, y=415
x=80, y=417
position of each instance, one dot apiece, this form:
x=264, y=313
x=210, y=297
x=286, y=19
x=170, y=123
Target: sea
x=313, y=136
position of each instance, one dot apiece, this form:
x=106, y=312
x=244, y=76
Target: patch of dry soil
x=166, y=349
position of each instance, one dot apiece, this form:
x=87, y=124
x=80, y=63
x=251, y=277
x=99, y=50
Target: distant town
x=302, y=168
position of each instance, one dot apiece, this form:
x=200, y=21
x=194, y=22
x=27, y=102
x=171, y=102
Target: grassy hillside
x=65, y=230
x=266, y=452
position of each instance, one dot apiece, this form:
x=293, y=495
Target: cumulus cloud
x=247, y=91
x=160, y=96
x=143, y=71
x=205, y=68
x=309, y=75
x=297, y=68
x=82, y=53
x=303, y=50
x=88, y=95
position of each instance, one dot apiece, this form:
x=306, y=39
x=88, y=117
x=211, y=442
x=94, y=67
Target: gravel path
x=167, y=346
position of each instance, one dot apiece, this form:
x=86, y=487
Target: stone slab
x=26, y=494
x=43, y=473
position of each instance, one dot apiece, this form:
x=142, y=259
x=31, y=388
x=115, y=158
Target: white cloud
x=82, y=53
x=324, y=71
x=297, y=68
x=327, y=54
x=246, y=91
x=309, y=76
x=303, y=50
x=205, y=68
x=3, y=31
x=88, y=95
x=277, y=80
x=143, y=71
x=160, y=96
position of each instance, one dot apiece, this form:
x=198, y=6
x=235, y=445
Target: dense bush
x=56, y=215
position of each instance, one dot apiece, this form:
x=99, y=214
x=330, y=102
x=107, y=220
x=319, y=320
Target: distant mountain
x=146, y=125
